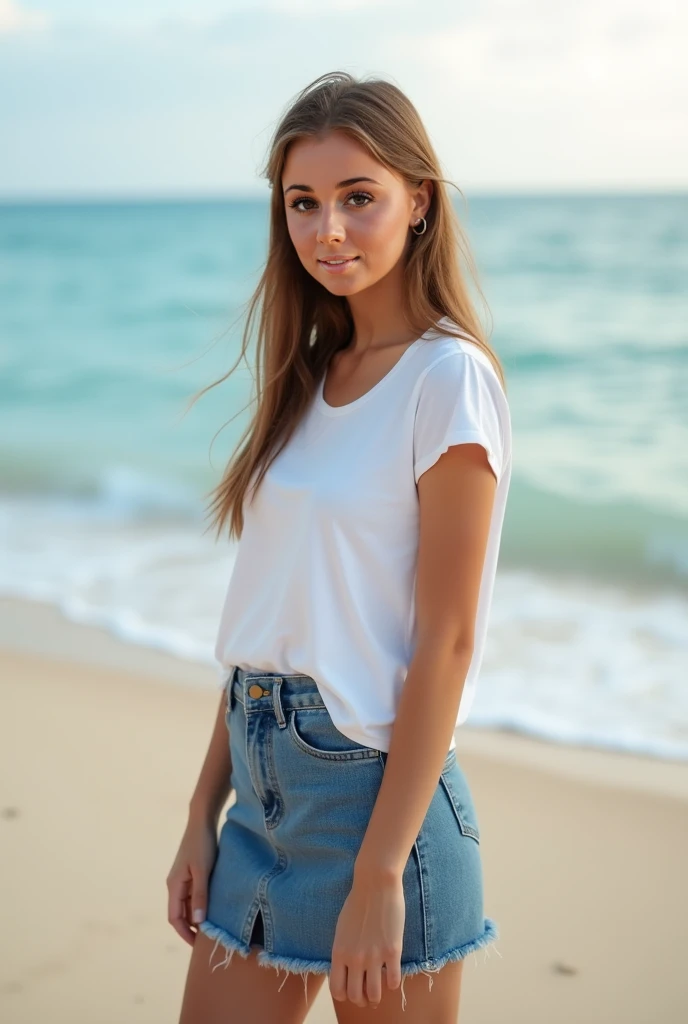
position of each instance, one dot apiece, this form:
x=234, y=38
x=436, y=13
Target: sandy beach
x=585, y=852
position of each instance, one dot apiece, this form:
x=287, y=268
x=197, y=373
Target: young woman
x=368, y=494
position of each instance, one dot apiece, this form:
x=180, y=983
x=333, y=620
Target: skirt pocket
x=314, y=733
x=455, y=785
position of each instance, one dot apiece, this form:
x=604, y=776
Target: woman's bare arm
x=213, y=786
x=456, y=498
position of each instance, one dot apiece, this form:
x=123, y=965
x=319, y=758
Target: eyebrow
x=340, y=184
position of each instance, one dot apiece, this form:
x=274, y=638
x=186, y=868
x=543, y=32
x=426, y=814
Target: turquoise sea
x=113, y=314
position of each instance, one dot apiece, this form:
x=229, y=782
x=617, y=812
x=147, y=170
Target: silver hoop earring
x=422, y=230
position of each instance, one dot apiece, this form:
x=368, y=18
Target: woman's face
x=341, y=203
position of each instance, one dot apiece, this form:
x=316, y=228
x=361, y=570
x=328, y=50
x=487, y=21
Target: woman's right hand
x=187, y=881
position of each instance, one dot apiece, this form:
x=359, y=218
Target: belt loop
x=277, y=702
x=230, y=691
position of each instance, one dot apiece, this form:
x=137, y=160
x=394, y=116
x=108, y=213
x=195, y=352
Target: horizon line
x=117, y=198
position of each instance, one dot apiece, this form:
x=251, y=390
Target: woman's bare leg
x=422, y=1005
x=243, y=992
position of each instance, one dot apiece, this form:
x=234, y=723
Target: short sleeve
x=461, y=400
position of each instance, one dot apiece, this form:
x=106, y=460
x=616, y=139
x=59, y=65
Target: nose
x=330, y=227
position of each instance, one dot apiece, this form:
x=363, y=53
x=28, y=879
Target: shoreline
x=39, y=628
x=583, y=851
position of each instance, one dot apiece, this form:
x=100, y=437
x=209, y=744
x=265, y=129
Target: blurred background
x=133, y=226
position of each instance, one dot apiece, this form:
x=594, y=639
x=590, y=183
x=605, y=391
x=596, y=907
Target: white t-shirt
x=324, y=577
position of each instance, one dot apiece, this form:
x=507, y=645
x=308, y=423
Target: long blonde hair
x=300, y=323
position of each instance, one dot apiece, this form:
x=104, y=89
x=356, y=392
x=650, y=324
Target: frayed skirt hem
x=296, y=965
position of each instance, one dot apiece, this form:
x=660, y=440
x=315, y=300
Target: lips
x=337, y=260
x=338, y=268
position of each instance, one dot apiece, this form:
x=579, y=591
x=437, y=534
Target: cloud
x=297, y=7
x=15, y=19
x=160, y=94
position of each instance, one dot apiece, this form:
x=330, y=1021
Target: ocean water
x=113, y=315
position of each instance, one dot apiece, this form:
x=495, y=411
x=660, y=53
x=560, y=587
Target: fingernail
x=198, y=916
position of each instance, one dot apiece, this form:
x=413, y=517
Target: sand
x=585, y=852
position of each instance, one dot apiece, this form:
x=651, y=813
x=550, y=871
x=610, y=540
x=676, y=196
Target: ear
x=422, y=197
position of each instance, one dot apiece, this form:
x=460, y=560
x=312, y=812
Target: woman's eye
x=295, y=204
x=361, y=195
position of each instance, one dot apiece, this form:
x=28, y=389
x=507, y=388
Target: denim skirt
x=287, y=847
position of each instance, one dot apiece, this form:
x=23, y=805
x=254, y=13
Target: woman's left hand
x=369, y=935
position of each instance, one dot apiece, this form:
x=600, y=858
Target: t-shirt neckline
x=340, y=410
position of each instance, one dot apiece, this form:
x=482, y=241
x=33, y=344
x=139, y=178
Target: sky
x=161, y=98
